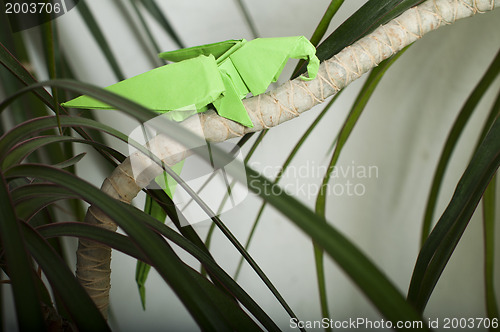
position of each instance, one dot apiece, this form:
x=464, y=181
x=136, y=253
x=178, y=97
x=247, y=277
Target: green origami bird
x=221, y=74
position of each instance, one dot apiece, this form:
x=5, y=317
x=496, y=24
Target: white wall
x=401, y=133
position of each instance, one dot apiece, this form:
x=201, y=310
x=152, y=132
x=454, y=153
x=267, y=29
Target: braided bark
x=266, y=111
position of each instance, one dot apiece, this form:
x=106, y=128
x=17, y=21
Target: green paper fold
x=220, y=73
x=186, y=85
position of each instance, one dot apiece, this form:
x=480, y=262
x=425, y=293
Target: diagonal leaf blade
x=161, y=255
x=96, y=31
x=158, y=15
x=452, y=139
x=447, y=233
x=489, y=211
x=363, y=272
x=124, y=244
x=84, y=312
x=369, y=17
x=359, y=105
x=26, y=298
x=15, y=67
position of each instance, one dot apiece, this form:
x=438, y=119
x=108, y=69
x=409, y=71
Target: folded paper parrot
x=221, y=74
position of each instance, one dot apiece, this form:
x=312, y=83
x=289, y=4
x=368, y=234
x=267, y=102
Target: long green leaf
x=96, y=31
x=26, y=298
x=71, y=162
x=363, y=272
x=147, y=30
x=8, y=83
x=452, y=139
x=248, y=18
x=143, y=114
x=90, y=232
x=154, y=60
x=31, y=198
x=25, y=78
x=359, y=105
x=441, y=243
x=320, y=30
x=324, y=23
x=15, y=135
x=122, y=243
x=81, y=308
x=161, y=255
x=369, y=17
x=283, y=169
x=28, y=208
x=158, y=15
x=15, y=67
x=222, y=301
x=23, y=149
x=489, y=212
x=372, y=282
x=50, y=46
x=142, y=269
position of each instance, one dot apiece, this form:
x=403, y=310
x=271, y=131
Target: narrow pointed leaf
x=31, y=198
x=158, y=15
x=452, y=139
x=22, y=150
x=489, y=215
x=283, y=169
x=25, y=78
x=362, y=271
x=489, y=212
x=369, y=17
x=125, y=245
x=15, y=67
x=248, y=18
x=359, y=105
x=81, y=308
x=16, y=134
x=142, y=269
x=320, y=31
x=26, y=297
x=161, y=255
x=154, y=60
x=96, y=31
x=143, y=114
x=441, y=243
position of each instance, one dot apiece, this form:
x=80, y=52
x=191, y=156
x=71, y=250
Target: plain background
x=401, y=133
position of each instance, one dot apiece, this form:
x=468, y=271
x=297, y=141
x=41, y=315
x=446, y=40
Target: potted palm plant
x=372, y=208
